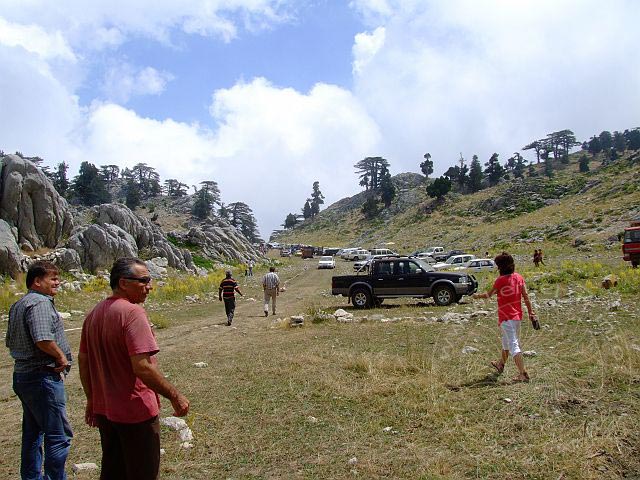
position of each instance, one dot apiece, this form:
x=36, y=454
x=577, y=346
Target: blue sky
x=267, y=96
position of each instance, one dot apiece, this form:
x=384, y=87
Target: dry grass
x=299, y=403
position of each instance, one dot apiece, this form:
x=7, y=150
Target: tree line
x=96, y=185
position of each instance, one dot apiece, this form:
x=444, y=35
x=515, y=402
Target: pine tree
x=475, y=175
x=370, y=170
x=370, y=208
x=387, y=188
x=426, y=167
x=133, y=194
x=584, y=163
x=203, y=204
x=88, y=186
x=494, y=170
x=306, y=210
x=317, y=199
x=439, y=187
x=290, y=221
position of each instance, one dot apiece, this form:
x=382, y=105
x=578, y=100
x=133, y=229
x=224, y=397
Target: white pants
x=270, y=294
x=510, y=331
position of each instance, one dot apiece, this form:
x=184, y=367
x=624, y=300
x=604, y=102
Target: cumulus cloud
x=365, y=46
x=480, y=77
x=35, y=40
x=122, y=81
x=275, y=142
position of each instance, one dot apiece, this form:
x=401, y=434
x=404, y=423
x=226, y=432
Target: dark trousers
x=130, y=451
x=229, y=308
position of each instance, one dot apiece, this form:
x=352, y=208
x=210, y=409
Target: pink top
x=115, y=330
x=509, y=289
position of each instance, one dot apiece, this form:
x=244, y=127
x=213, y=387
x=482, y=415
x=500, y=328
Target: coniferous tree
x=306, y=210
x=619, y=142
x=548, y=167
x=426, y=167
x=439, y=187
x=241, y=217
x=174, y=188
x=110, y=174
x=317, y=199
x=203, y=204
x=595, y=146
x=387, y=188
x=370, y=169
x=370, y=207
x=606, y=140
x=133, y=194
x=632, y=138
x=212, y=190
x=463, y=173
x=475, y=175
x=60, y=181
x=584, y=163
x=290, y=221
x=494, y=170
x=519, y=164
x=88, y=186
x=531, y=170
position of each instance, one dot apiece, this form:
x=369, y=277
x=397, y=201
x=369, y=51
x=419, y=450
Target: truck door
x=410, y=279
x=384, y=278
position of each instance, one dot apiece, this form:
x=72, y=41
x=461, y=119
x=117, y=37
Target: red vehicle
x=631, y=245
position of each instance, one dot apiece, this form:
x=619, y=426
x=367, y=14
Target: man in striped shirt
x=227, y=292
x=271, y=287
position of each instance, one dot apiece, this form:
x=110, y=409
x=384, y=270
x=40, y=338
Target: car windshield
x=632, y=236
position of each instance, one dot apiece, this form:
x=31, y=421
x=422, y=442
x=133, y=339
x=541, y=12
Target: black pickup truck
x=393, y=277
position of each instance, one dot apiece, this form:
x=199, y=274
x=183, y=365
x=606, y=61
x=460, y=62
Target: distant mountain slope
x=593, y=207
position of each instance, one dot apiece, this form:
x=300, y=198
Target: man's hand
x=180, y=405
x=89, y=416
x=220, y=298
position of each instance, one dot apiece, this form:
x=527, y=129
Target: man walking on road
x=120, y=377
x=227, y=291
x=36, y=341
x=271, y=287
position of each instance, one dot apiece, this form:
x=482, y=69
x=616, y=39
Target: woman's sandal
x=499, y=366
x=522, y=378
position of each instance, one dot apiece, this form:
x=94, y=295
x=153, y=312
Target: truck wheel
x=444, y=296
x=361, y=298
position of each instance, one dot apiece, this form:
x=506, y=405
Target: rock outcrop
x=30, y=203
x=219, y=240
x=100, y=245
x=12, y=261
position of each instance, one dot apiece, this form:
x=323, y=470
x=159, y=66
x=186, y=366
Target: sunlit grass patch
x=177, y=287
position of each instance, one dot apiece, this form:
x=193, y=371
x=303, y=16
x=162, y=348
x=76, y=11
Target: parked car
x=382, y=251
x=393, y=277
x=363, y=265
x=330, y=251
x=443, y=256
x=346, y=252
x=285, y=252
x=454, y=261
x=326, y=261
x=479, y=265
x=358, y=254
x=424, y=256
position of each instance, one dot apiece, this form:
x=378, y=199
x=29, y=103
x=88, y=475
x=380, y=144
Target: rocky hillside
x=570, y=209
x=37, y=223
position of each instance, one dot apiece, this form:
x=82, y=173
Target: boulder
x=12, y=261
x=30, y=203
x=66, y=259
x=100, y=245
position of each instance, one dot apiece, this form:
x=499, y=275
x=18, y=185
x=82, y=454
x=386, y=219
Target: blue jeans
x=44, y=415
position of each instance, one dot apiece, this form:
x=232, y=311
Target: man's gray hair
x=123, y=267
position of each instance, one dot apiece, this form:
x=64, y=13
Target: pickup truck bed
x=395, y=277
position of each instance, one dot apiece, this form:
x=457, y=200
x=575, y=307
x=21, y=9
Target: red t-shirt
x=509, y=289
x=115, y=330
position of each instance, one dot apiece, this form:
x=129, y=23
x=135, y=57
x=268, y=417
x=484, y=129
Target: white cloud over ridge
x=122, y=81
x=488, y=76
x=365, y=47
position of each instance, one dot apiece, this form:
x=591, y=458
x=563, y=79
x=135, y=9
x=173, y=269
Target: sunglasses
x=145, y=280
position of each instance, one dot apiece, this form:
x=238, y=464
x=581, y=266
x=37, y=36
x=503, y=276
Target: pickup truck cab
x=631, y=244
x=395, y=277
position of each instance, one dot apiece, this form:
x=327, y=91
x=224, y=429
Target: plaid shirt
x=33, y=319
x=271, y=281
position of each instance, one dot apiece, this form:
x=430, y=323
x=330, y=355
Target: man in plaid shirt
x=37, y=342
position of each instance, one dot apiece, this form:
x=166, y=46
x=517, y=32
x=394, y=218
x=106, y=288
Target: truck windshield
x=632, y=236
x=423, y=265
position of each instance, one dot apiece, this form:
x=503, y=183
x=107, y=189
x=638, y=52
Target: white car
x=326, y=262
x=358, y=254
x=344, y=254
x=454, y=261
x=426, y=257
x=363, y=265
x=479, y=265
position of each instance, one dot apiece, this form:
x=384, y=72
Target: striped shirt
x=33, y=319
x=270, y=281
x=228, y=287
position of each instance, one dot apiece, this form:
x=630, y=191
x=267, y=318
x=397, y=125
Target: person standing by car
x=227, y=292
x=511, y=290
x=271, y=287
x=120, y=377
x=37, y=342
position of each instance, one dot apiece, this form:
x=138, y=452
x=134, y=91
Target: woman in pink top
x=511, y=289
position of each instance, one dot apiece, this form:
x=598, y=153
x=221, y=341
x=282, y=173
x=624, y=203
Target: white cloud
x=275, y=142
x=488, y=76
x=365, y=46
x=122, y=81
x=91, y=24
x=35, y=40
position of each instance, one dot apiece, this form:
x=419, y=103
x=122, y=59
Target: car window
x=385, y=268
x=413, y=267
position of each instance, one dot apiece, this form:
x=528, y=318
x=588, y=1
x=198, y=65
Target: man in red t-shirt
x=120, y=377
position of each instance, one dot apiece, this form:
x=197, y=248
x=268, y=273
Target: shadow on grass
x=489, y=380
